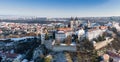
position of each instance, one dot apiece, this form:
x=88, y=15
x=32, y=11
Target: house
x=62, y=33
x=80, y=33
x=114, y=56
x=94, y=33
x=103, y=27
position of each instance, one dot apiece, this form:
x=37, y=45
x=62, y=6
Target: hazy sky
x=60, y=8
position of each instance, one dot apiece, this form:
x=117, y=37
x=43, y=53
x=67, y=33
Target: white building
x=116, y=25
x=94, y=33
x=81, y=34
x=60, y=35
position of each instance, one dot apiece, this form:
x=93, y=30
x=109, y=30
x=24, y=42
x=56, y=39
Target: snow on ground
x=48, y=44
x=22, y=38
x=60, y=57
x=17, y=39
x=25, y=60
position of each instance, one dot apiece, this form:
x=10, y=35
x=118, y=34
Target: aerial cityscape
x=59, y=31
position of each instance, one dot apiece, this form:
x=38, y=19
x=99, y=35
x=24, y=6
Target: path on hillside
x=103, y=44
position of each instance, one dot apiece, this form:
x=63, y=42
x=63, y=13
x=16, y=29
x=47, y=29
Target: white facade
x=94, y=33
x=81, y=34
x=61, y=35
x=116, y=25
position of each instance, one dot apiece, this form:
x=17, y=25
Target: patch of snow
x=25, y=60
x=22, y=38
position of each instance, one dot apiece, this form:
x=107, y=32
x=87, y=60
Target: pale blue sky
x=60, y=8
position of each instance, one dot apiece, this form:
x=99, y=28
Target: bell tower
x=74, y=22
x=88, y=24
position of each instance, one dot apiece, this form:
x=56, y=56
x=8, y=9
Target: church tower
x=74, y=22
x=77, y=22
x=42, y=36
x=88, y=24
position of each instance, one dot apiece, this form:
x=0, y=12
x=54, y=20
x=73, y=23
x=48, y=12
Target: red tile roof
x=65, y=29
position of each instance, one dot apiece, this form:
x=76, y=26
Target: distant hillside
x=31, y=21
x=44, y=20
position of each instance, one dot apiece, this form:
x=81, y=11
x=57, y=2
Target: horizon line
x=62, y=16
